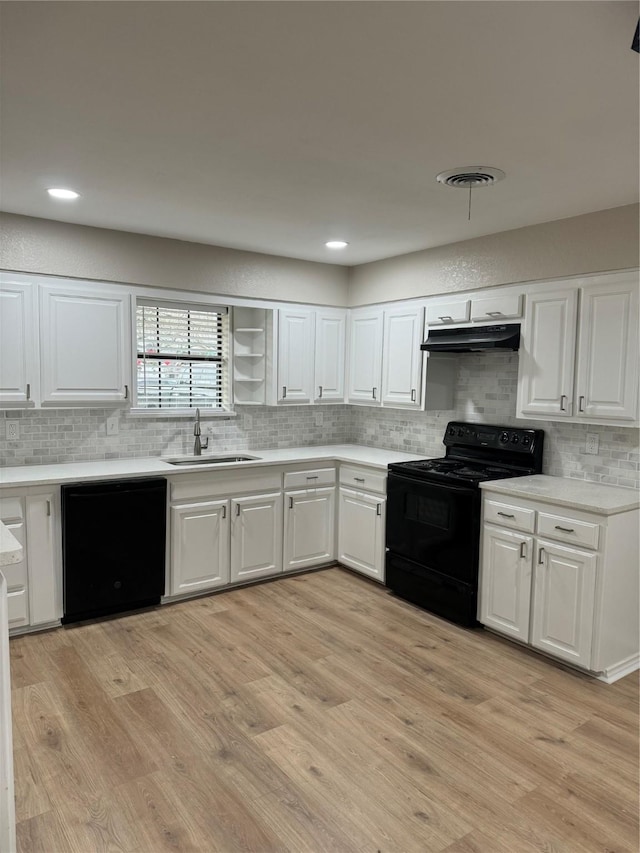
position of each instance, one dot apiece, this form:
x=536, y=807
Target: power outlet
x=319, y=419
x=12, y=430
x=592, y=444
x=113, y=424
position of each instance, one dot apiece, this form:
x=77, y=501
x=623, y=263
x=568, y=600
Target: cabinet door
x=505, y=587
x=563, y=602
x=85, y=346
x=256, y=536
x=607, y=371
x=199, y=546
x=329, y=356
x=309, y=517
x=45, y=599
x=19, y=372
x=402, y=360
x=547, y=352
x=365, y=357
x=361, y=532
x=295, y=355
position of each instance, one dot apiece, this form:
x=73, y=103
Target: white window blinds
x=180, y=356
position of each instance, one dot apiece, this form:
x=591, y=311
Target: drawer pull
x=523, y=550
x=506, y=514
x=378, y=509
x=315, y=477
x=224, y=511
x=494, y=313
x=540, y=556
x=566, y=529
x=290, y=503
x=447, y=317
x=359, y=479
x=563, y=408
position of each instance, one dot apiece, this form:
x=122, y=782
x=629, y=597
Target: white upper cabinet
x=607, y=363
x=85, y=346
x=446, y=313
x=579, y=352
x=19, y=373
x=329, y=355
x=547, y=351
x=295, y=355
x=496, y=309
x=365, y=356
x=402, y=363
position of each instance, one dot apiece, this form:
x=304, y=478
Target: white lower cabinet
x=34, y=595
x=566, y=582
x=361, y=532
x=256, y=536
x=309, y=528
x=200, y=556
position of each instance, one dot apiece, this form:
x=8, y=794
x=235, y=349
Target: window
x=181, y=361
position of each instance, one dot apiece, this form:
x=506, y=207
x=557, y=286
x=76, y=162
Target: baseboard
x=619, y=670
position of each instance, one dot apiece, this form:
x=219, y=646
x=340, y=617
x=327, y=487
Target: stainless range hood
x=473, y=339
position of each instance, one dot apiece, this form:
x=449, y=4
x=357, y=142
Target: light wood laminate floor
x=314, y=713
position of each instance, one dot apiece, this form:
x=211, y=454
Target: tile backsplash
x=485, y=393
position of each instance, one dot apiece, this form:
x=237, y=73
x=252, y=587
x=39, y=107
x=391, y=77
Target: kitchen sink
x=209, y=460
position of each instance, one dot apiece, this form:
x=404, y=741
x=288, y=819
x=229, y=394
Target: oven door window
x=434, y=525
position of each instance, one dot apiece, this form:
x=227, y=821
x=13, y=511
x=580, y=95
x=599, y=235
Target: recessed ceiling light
x=336, y=244
x=57, y=192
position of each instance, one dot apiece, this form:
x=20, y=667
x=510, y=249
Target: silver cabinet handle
x=581, y=404
x=237, y=509
x=320, y=389
x=566, y=529
x=413, y=395
x=506, y=515
x=126, y=392
x=446, y=317
x=540, y=556
x=373, y=393
x=48, y=507
x=359, y=479
x=378, y=509
x=224, y=511
x=284, y=392
x=523, y=550
x=494, y=313
x=28, y=391
x=315, y=477
x=563, y=408
x=290, y=503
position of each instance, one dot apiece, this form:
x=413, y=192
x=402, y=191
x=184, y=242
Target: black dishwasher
x=113, y=546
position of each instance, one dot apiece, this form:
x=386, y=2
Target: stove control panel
x=459, y=434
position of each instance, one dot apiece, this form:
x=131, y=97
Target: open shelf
x=250, y=345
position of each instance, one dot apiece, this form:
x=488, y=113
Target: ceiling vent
x=470, y=177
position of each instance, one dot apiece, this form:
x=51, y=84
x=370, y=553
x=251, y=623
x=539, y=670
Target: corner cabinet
x=85, y=349
x=579, y=352
x=564, y=581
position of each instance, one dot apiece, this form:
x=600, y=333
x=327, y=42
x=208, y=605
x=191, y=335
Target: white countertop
x=10, y=548
x=72, y=472
x=562, y=491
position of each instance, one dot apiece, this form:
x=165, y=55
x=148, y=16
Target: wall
x=47, y=247
x=595, y=242
x=486, y=393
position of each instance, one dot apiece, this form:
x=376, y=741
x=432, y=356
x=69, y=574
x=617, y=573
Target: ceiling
x=275, y=126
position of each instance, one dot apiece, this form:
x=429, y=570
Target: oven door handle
x=420, y=481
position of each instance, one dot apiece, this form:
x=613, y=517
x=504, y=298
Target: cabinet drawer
x=310, y=479
x=11, y=509
x=507, y=515
x=229, y=483
x=363, y=479
x=442, y=313
x=568, y=530
x=496, y=308
x=17, y=607
x=15, y=575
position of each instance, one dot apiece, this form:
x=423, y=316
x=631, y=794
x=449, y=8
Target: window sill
x=205, y=414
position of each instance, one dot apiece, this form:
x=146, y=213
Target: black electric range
x=433, y=514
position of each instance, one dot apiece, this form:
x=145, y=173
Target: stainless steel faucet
x=198, y=446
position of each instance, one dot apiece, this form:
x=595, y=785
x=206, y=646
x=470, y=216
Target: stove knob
x=526, y=440
x=504, y=437
x=460, y=432
x=515, y=438
x=451, y=431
